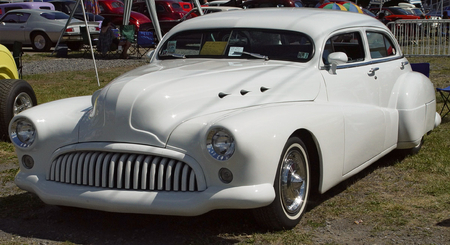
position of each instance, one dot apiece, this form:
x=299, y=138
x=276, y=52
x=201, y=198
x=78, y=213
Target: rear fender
x=415, y=100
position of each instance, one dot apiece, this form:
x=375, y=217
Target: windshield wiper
x=259, y=56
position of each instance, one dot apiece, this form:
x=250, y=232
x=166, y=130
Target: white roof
x=312, y=21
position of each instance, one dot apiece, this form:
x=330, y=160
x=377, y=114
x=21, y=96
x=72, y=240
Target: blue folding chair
x=423, y=68
x=445, y=94
x=145, y=41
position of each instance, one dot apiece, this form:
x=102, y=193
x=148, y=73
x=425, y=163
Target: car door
x=14, y=24
x=356, y=91
x=388, y=64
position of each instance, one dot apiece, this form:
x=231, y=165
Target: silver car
x=41, y=28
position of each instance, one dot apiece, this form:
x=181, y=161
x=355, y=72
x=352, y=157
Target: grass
x=408, y=196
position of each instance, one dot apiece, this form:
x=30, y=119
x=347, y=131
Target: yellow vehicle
x=16, y=94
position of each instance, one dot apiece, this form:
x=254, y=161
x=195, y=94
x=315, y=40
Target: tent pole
x=65, y=27
x=90, y=41
x=151, y=6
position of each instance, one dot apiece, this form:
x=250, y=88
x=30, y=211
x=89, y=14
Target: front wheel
x=292, y=189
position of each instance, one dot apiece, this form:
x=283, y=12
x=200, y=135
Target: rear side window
x=380, y=45
x=11, y=8
x=349, y=43
x=55, y=16
x=16, y=18
x=46, y=7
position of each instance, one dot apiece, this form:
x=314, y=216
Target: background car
x=24, y=5
x=67, y=7
x=395, y=13
x=16, y=95
x=234, y=111
x=113, y=9
x=41, y=28
x=271, y=3
x=165, y=9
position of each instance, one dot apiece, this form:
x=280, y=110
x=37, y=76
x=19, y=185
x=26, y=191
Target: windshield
x=239, y=43
x=399, y=11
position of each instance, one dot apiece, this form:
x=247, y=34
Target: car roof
x=313, y=21
x=34, y=11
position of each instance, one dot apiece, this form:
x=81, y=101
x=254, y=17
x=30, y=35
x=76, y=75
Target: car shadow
x=388, y=160
x=25, y=215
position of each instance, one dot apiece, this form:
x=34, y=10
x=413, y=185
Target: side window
x=11, y=8
x=380, y=45
x=349, y=43
x=16, y=18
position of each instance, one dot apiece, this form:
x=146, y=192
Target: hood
x=147, y=104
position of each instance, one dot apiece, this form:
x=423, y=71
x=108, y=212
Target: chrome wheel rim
x=39, y=41
x=22, y=102
x=294, y=180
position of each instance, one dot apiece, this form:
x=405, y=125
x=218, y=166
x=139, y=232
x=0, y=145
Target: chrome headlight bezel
x=220, y=144
x=22, y=132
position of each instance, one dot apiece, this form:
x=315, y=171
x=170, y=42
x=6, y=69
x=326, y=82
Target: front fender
x=56, y=125
x=260, y=134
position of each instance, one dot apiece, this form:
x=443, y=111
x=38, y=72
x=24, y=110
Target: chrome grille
x=123, y=171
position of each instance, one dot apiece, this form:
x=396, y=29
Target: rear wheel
x=292, y=188
x=41, y=42
x=15, y=96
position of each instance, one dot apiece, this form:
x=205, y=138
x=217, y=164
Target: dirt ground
x=24, y=219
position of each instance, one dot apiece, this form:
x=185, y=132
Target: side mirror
x=336, y=59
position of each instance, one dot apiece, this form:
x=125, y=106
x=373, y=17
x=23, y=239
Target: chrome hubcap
x=39, y=41
x=22, y=102
x=293, y=181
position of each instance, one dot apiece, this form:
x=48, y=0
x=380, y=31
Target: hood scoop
x=242, y=92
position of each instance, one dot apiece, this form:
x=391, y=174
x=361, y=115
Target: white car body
x=348, y=114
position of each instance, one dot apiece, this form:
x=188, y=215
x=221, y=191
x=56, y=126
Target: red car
x=113, y=9
x=394, y=13
x=166, y=9
x=271, y=3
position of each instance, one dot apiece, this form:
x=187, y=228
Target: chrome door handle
x=402, y=66
x=372, y=71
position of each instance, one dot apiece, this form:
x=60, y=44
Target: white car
x=253, y=109
x=41, y=28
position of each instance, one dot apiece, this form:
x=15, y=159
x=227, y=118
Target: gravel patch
x=74, y=64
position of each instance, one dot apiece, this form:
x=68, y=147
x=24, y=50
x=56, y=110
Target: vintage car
x=4, y=8
x=16, y=95
x=113, y=10
x=395, y=13
x=68, y=6
x=41, y=28
x=234, y=111
x=165, y=9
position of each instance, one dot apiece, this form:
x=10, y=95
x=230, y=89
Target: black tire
x=41, y=42
x=15, y=96
x=292, y=192
x=74, y=46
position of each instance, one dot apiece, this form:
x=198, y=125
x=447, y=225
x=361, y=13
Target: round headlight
x=220, y=144
x=23, y=132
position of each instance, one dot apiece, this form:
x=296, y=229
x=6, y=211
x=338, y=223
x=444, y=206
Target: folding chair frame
x=445, y=94
x=145, y=42
x=17, y=54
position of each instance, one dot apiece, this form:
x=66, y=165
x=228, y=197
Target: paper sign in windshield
x=213, y=48
x=236, y=51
